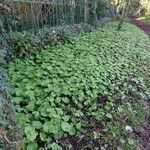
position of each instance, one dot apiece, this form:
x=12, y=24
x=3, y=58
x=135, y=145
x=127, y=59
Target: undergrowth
x=83, y=94
x=10, y=131
x=27, y=43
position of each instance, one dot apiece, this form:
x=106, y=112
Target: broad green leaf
x=32, y=146
x=58, y=100
x=131, y=141
x=66, y=100
x=43, y=136
x=30, y=93
x=30, y=133
x=37, y=124
x=17, y=100
x=19, y=92
x=46, y=127
x=51, y=110
x=55, y=146
x=31, y=106
x=108, y=115
x=52, y=126
x=59, y=134
x=68, y=128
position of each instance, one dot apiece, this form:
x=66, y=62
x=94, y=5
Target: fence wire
x=20, y=15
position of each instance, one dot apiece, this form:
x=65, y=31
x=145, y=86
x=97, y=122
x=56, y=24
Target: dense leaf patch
x=83, y=88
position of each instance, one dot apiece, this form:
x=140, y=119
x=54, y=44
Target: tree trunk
x=72, y=11
x=86, y=11
x=124, y=13
x=94, y=11
x=118, y=9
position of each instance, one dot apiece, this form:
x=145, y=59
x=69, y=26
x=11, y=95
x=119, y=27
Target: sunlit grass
x=145, y=19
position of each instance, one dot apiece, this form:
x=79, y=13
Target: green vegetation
x=88, y=90
x=147, y=20
x=26, y=44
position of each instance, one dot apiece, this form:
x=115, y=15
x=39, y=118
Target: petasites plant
x=82, y=90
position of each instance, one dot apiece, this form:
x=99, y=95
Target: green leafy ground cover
x=81, y=95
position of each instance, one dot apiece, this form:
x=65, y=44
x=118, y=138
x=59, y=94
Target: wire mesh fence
x=32, y=16
x=20, y=15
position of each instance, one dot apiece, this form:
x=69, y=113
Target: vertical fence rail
x=32, y=15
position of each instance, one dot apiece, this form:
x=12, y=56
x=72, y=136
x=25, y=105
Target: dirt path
x=141, y=25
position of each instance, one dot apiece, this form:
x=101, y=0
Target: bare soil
x=140, y=24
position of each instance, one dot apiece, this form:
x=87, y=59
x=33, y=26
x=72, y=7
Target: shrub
x=4, y=85
x=23, y=44
x=3, y=51
x=83, y=90
x=10, y=131
x=26, y=44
